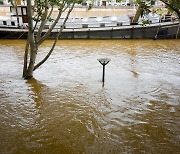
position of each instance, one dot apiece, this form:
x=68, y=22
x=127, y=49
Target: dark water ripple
x=65, y=109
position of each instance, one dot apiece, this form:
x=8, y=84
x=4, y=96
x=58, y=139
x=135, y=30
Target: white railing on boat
x=78, y=23
x=93, y=22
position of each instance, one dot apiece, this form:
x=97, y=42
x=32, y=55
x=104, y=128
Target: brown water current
x=65, y=109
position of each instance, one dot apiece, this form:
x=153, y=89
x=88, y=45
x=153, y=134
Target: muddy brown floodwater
x=65, y=109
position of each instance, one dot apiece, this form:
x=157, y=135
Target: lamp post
x=104, y=62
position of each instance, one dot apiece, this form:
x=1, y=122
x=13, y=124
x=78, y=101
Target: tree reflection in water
x=37, y=88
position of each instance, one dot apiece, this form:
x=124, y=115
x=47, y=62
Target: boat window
x=84, y=25
x=102, y=24
x=24, y=11
x=4, y=23
x=12, y=23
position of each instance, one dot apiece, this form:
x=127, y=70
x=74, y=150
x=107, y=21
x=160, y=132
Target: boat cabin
x=8, y=22
x=20, y=14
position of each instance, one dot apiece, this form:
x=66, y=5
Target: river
x=66, y=108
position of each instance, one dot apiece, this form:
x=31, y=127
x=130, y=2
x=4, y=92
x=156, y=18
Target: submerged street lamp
x=104, y=62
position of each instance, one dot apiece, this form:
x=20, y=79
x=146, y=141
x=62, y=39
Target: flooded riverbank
x=65, y=109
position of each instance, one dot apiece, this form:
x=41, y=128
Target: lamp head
x=104, y=61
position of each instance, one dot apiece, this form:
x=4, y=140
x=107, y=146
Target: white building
x=110, y=2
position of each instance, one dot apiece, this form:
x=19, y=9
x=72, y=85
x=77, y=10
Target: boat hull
x=153, y=31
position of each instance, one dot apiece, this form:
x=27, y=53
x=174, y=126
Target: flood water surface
x=66, y=109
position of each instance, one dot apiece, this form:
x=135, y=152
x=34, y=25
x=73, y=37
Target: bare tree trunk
x=138, y=13
x=30, y=69
x=31, y=41
x=25, y=59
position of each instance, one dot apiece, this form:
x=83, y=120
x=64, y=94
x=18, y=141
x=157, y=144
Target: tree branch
x=52, y=7
x=54, y=44
x=39, y=42
x=36, y=23
x=170, y=6
x=44, y=20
